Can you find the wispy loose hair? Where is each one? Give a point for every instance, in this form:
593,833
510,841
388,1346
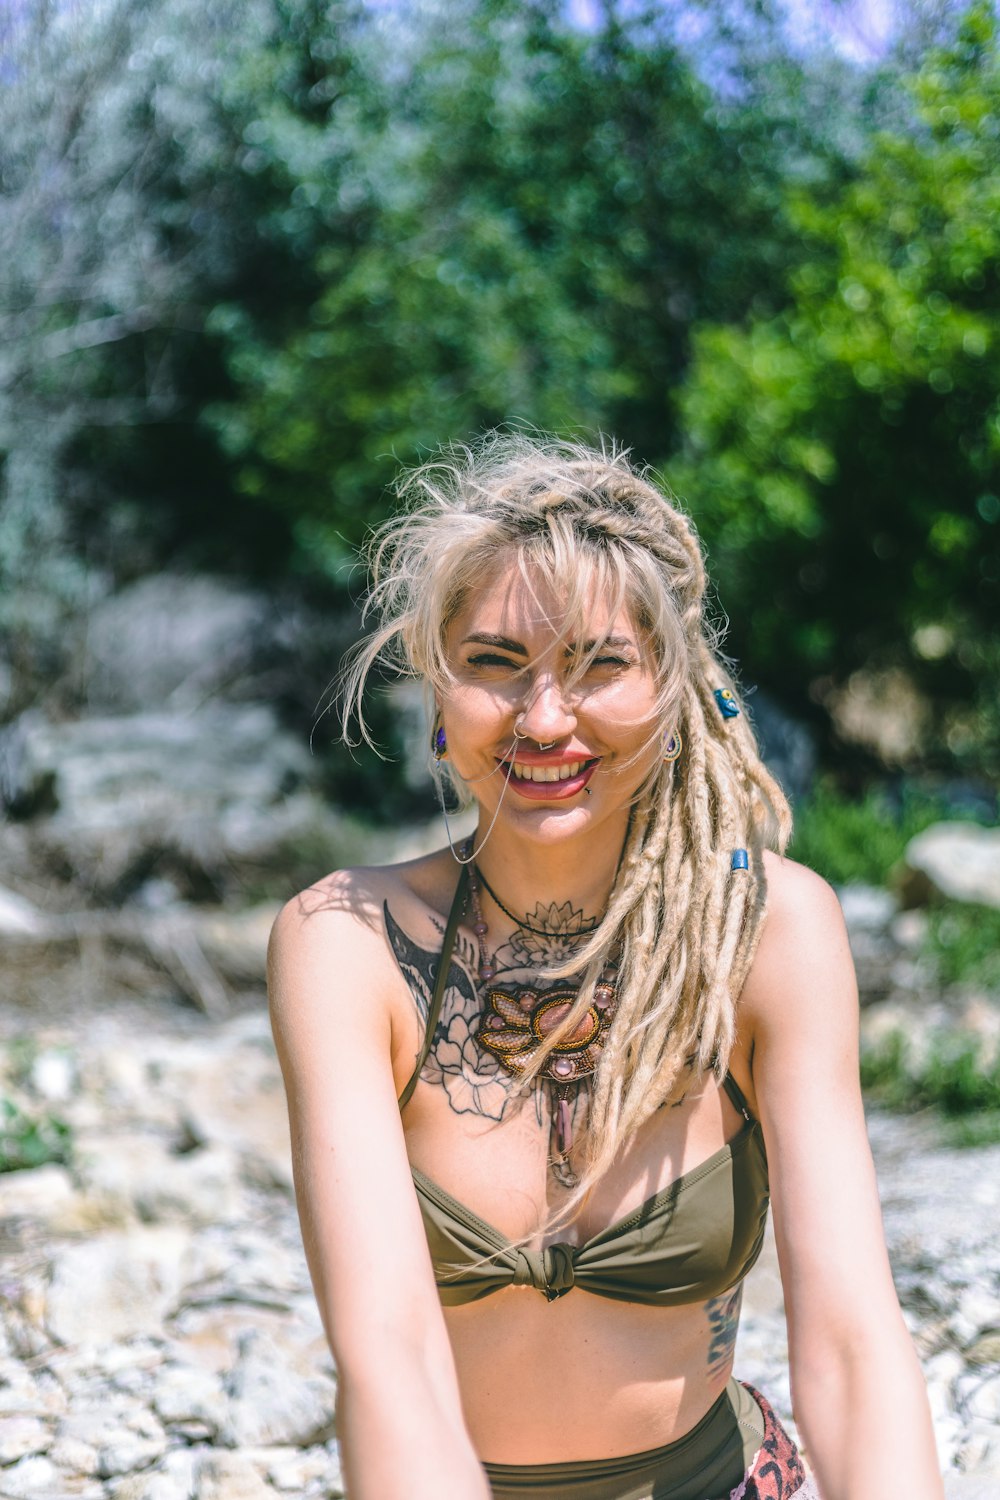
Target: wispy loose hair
681,925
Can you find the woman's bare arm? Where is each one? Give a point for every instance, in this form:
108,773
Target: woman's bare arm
857,1389
399,1411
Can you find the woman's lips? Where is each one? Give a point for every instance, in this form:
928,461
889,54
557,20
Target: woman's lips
548,791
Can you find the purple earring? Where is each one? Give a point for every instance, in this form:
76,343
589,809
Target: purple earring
673,746
439,745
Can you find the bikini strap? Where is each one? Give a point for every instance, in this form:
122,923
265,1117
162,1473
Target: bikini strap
440,980
738,1097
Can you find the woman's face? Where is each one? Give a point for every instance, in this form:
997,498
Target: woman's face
583,746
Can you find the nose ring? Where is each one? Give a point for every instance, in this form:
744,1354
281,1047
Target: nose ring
521,734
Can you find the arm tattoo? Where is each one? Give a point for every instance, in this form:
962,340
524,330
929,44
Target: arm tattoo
723,1322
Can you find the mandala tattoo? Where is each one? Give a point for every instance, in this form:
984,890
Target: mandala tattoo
473,1079
551,934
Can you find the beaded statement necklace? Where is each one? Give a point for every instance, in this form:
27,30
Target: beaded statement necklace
513,1027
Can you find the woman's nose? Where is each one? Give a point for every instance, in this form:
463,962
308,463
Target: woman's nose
547,714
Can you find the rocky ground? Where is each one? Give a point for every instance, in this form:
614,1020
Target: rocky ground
159,1339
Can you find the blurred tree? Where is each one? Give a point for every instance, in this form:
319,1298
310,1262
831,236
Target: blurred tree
843,456
116,211
154,159
539,222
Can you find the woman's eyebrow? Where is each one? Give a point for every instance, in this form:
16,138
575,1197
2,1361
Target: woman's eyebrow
504,643
617,642
484,639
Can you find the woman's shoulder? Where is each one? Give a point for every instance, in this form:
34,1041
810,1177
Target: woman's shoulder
803,947
796,895
344,909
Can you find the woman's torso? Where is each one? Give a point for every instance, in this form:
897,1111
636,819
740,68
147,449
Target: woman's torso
580,1375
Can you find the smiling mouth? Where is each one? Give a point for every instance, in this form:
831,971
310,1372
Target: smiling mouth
566,772
550,780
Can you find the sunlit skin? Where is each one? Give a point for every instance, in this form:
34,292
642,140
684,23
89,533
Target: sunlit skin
510,667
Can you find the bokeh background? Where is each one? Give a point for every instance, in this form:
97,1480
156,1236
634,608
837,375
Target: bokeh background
256,256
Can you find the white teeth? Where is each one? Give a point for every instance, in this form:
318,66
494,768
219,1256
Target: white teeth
548,773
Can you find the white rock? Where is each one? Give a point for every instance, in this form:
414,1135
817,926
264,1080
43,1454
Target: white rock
943,1368
978,1310
18,916
117,1285
40,1193
139,1354
336,1479
970,1486
983,1401
22,1394
866,908
53,1075
188,1393
152,1486
74,1455
127,1453
143,1178
958,860
231,1476
908,929
20,1436
30,1477
271,1403
175,1478
79,1487
940,1400
293,1469
948,1435
114,1421
122,1079
981,1447
235,1099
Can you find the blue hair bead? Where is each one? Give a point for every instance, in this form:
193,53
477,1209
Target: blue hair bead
740,860
728,706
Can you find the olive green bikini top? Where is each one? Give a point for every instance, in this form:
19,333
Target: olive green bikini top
693,1240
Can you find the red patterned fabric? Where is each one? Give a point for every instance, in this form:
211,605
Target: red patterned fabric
777,1471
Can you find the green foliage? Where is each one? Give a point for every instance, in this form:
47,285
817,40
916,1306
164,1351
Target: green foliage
473,264
953,1073
846,449
964,942
28,1140
846,838
256,254
974,1130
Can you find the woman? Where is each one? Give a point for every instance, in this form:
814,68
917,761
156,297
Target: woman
540,1081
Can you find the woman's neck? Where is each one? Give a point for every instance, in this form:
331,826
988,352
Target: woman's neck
579,870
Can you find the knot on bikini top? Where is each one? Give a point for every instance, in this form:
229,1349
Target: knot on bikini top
550,1271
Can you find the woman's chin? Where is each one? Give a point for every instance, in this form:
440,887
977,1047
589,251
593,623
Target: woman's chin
553,822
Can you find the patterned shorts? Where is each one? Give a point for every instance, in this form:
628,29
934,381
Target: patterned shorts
739,1436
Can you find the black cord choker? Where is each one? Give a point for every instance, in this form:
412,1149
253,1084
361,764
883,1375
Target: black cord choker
589,924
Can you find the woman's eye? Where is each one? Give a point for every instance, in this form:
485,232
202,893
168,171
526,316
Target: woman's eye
609,661
488,660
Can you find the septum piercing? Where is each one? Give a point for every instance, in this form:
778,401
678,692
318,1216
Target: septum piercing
521,734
